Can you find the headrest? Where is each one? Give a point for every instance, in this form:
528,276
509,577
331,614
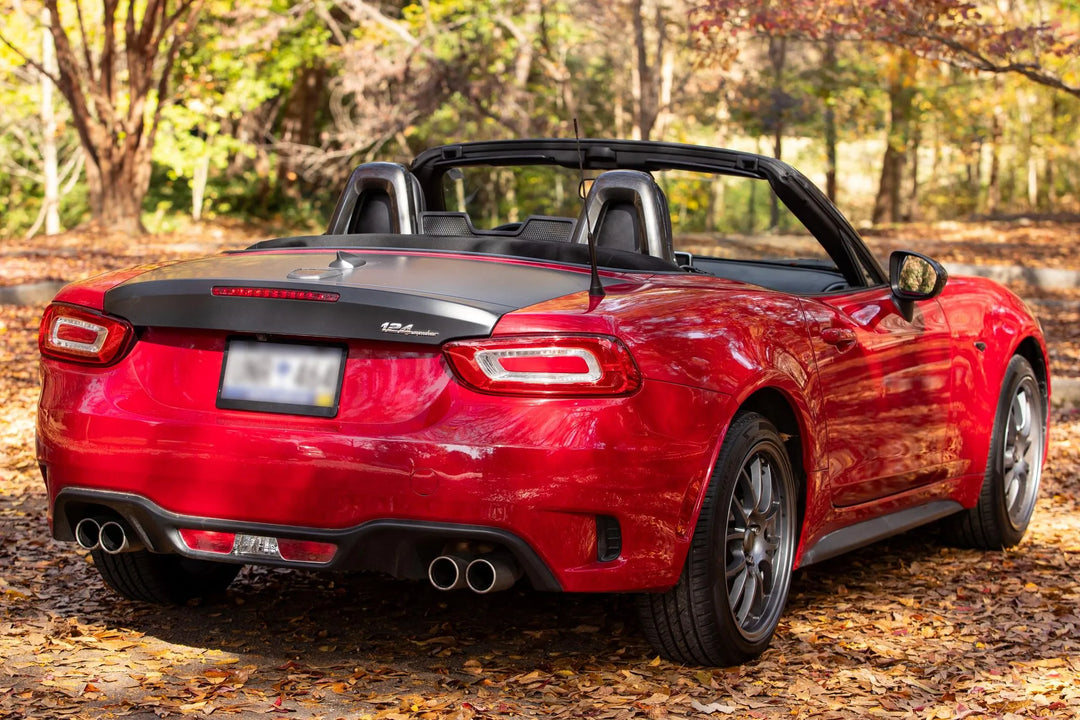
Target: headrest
627,210
380,197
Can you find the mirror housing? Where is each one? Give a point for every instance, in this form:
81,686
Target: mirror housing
913,276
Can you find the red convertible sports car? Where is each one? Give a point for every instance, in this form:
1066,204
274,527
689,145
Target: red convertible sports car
595,366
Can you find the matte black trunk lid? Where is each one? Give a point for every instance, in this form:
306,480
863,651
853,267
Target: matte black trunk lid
424,299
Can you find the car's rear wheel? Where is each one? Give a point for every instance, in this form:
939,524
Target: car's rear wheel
734,585
1013,468
163,579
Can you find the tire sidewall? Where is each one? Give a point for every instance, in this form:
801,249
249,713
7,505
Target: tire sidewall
749,435
993,492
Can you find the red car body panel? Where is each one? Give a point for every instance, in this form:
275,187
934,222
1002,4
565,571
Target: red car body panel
890,413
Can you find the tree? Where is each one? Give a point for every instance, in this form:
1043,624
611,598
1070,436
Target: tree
39,157
114,70
1008,38
1004,38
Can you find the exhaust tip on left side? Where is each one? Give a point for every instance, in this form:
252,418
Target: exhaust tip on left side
447,572
88,533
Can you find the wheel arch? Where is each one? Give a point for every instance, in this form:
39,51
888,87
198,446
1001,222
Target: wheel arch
775,405
1030,349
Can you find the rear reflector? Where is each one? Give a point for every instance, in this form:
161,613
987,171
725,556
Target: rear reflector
78,334
209,541
275,293
306,550
546,365
258,546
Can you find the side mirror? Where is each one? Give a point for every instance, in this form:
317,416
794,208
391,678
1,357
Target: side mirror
915,277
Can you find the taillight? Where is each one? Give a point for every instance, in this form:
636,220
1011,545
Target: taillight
545,365
74,333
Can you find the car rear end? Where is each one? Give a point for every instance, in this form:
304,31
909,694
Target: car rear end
221,410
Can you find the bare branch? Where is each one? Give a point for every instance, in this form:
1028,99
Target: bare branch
357,8
29,60
334,25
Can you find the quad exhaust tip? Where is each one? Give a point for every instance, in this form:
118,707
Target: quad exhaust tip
482,575
492,573
88,533
447,572
108,534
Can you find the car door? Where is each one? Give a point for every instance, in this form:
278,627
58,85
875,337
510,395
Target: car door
885,387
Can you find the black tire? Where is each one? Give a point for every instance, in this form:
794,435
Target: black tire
162,579
1013,468
734,585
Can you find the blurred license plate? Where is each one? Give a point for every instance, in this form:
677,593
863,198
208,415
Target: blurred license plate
276,377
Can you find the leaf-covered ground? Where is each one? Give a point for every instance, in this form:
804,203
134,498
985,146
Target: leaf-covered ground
906,629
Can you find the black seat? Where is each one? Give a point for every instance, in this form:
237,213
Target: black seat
384,198
627,210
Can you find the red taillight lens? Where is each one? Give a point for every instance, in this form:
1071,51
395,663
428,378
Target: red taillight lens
209,540
74,333
306,550
546,365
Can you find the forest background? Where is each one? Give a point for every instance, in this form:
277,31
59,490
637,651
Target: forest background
155,114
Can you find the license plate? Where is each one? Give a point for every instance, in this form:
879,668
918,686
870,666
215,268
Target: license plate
277,377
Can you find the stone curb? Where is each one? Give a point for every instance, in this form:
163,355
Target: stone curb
30,294
1045,278
1065,393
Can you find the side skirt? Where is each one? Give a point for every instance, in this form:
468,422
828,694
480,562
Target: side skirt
879,528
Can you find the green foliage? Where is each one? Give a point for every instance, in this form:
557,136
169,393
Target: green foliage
454,70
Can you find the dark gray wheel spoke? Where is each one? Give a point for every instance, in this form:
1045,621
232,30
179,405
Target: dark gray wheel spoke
764,498
740,516
750,597
1012,492
755,483
738,585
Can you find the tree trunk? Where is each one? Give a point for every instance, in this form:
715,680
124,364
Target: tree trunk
993,183
647,77
778,59
299,123
887,204
118,184
831,69
1048,171
911,212
198,185
50,163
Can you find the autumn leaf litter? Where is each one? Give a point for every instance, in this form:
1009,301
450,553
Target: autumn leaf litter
906,629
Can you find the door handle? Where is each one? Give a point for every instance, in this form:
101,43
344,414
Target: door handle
838,336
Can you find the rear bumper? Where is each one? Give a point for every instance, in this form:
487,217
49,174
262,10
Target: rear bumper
402,548
530,475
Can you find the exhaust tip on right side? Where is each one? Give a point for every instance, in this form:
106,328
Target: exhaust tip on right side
492,573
